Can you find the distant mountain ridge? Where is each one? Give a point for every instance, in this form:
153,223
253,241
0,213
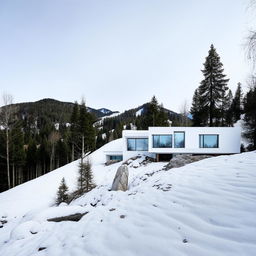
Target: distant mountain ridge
55,110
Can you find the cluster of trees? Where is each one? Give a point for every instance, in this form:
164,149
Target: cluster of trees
84,184
250,113
213,103
31,147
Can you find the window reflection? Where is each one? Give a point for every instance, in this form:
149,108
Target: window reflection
209,141
162,141
137,144
179,139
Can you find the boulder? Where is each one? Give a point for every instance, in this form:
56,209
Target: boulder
121,179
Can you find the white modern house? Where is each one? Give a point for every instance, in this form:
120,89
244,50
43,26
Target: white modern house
162,142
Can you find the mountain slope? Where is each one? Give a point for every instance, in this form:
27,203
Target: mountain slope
56,111
204,208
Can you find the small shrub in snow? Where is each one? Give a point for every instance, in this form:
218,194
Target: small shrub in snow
62,194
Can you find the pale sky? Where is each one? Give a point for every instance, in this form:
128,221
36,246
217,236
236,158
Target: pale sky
118,54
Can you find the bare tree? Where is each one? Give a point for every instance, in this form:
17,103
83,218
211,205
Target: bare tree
184,111
6,118
251,40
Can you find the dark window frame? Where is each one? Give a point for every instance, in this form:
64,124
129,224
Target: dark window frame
136,143
218,137
153,146
184,138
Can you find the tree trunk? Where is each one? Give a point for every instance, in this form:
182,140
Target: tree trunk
52,158
73,152
13,175
7,158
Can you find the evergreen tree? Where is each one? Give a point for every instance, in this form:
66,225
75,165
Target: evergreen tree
196,110
62,193
85,178
250,115
17,154
31,160
237,103
162,117
74,130
154,115
227,108
86,128
213,87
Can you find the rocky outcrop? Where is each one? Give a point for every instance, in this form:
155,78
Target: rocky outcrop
180,160
121,179
72,217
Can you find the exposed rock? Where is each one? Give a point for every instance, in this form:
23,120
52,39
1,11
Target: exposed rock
109,162
41,248
72,217
121,179
183,159
122,216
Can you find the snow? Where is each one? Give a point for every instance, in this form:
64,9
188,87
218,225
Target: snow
104,110
139,112
100,122
204,208
244,140
57,126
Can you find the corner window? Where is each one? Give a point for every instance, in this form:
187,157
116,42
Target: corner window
162,141
137,144
179,139
208,140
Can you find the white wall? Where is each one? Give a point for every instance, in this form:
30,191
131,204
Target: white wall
134,134
229,140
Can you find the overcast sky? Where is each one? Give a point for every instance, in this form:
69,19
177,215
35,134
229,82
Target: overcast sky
118,54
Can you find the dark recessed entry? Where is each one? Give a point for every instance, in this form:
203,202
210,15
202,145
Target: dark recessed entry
164,157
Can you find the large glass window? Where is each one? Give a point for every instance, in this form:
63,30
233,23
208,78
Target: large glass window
131,144
137,144
209,141
162,141
179,139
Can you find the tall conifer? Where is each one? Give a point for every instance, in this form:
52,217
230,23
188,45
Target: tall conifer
212,87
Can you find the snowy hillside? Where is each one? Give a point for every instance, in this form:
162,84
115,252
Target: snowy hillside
204,208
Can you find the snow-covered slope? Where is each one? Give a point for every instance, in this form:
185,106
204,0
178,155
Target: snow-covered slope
204,208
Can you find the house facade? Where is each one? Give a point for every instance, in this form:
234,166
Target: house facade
162,142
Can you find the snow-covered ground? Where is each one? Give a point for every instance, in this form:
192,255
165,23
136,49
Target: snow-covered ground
204,208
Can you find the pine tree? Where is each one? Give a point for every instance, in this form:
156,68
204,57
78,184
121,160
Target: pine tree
213,87
196,109
17,153
154,115
250,115
62,193
227,109
85,178
86,128
237,103
74,130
